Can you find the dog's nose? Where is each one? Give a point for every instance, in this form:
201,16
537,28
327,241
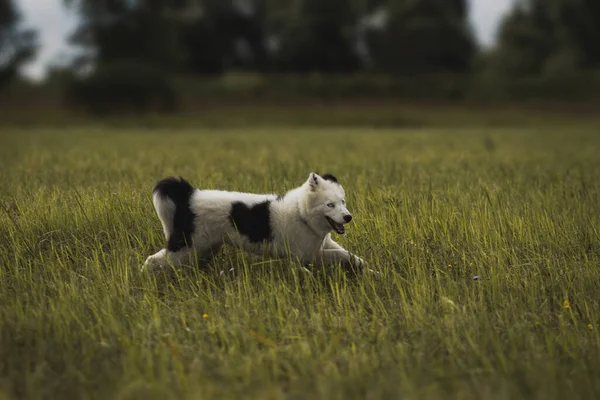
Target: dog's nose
348,218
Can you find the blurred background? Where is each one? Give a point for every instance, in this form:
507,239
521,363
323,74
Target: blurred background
101,57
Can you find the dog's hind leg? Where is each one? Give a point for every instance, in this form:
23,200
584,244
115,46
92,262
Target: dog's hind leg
171,199
207,256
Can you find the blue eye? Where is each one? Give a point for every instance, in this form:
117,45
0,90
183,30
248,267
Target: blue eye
330,205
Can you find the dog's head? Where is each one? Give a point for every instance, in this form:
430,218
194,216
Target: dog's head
327,203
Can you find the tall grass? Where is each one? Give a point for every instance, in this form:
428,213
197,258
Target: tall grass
487,243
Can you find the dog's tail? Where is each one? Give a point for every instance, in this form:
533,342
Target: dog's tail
172,198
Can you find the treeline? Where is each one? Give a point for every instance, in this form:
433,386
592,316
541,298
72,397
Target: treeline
131,51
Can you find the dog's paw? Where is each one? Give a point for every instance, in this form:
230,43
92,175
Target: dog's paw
306,270
231,271
361,266
155,263
358,262
354,264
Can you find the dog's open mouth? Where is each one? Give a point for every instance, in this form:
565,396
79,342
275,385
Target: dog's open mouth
339,228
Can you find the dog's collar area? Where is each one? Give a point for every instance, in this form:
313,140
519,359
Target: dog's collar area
305,222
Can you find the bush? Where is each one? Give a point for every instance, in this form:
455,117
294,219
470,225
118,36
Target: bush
124,87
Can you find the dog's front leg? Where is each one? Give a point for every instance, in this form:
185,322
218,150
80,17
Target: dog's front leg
332,253
329,257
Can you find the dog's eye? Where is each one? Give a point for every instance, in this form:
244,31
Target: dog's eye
330,205
343,201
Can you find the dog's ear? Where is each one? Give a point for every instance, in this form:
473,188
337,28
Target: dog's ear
314,181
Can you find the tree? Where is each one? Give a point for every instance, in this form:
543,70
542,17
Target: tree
527,38
583,20
17,45
424,37
195,36
118,30
320,36
134,49
212,40
548,37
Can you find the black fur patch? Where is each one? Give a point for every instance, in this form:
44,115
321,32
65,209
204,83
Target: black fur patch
329,177
179,191
253,222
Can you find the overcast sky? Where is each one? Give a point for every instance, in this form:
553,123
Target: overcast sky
54,25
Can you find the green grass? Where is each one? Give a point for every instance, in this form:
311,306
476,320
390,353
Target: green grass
433,209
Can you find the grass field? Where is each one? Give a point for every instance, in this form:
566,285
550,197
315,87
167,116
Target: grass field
434,208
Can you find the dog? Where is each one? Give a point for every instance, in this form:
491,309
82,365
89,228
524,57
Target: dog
197,223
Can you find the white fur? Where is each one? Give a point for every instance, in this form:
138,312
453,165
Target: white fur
165,208
298,224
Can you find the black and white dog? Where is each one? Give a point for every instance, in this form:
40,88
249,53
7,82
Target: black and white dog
197,223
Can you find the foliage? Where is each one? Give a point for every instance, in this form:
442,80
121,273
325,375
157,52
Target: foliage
429,36
424,37
127,31
211,39
122,87
549,37
17,45
319,37
434,208
546,49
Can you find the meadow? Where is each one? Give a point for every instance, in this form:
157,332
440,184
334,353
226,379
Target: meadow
487,240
